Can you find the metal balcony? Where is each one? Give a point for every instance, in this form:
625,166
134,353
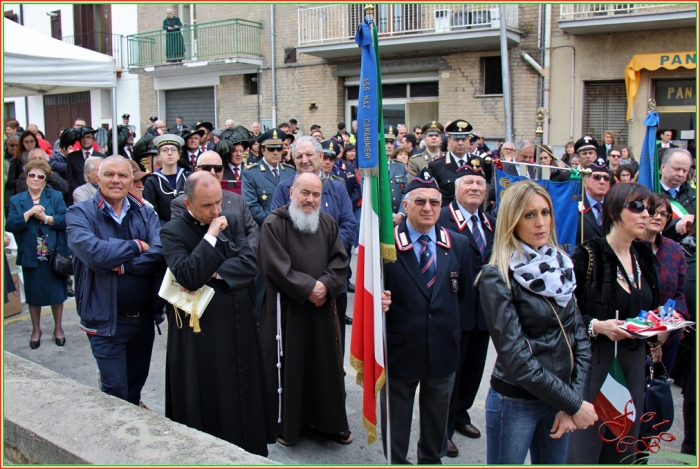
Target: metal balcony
226,39
104,43
328,31
592,18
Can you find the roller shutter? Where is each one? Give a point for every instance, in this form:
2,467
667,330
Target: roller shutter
605,108
193,104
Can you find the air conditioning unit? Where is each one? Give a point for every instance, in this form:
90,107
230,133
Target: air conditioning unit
443,20
495,18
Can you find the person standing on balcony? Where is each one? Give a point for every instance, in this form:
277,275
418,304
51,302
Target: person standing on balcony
174,43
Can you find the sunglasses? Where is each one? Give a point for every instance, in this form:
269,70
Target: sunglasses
613,155
598,177
274,148
40,177
208,167
637,206
421,202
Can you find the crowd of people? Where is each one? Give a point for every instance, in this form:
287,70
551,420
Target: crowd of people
268,219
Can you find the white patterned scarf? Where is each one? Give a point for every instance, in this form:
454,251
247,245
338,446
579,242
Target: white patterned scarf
545,271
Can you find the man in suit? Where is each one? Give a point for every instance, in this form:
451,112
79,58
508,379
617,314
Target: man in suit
521,156
597,185
75,161
665,135
465,216
429,279
230,203
180,124
232,153
445,169
260,179
192,149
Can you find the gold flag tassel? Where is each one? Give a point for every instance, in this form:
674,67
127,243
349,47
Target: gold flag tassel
194,318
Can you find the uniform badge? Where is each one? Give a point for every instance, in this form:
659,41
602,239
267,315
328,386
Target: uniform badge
262,168
476,163
264,196
454,281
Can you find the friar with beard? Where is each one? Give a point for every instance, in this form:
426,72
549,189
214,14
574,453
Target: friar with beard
305,264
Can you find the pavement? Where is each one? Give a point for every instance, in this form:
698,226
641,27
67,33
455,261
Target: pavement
75,361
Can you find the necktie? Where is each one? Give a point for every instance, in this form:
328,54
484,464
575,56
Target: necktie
460,163
599,213
276,173
673,193
131,150
477,237
427,262
193,159
235,173
87,155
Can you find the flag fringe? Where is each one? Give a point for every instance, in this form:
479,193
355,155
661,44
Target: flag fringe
359,367
371,430
369,172
380,383
387,252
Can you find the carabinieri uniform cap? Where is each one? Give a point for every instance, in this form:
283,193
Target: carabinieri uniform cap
585,143
459,128
423,180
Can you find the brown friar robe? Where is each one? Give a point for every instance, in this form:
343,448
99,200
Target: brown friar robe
313,390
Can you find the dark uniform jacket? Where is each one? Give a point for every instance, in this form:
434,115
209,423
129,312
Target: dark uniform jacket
589,224
75,167
398,180
259,185
471,312
445,171
346,171
160,194
685,196
423,328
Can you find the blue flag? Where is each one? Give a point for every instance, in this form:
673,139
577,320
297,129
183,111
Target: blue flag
648,169
565,198
367,108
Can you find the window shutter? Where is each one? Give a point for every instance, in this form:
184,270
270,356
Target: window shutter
56,26
605,108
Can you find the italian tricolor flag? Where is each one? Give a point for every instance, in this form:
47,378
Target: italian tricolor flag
614,404
677,209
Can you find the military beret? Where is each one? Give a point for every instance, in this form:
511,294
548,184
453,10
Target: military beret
585,143
423,180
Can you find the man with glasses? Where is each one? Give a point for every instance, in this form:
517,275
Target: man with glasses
418,133
75,161
431,276
507,151
597,185
614,155
168,181
231,202
260,179
432,133
214,379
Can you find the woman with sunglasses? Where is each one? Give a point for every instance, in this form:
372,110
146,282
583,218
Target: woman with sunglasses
37,219
536,398
671,267
168,181
27,142
616,279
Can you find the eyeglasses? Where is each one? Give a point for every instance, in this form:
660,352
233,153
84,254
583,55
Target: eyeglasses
274,148
168,150
208,167
637,206
40,177
29,141
598,177
507,149
234,246
421,202
663,214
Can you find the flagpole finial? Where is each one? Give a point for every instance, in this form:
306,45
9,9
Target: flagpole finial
651,106
541,115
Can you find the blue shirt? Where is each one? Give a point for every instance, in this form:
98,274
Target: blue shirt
592,202
468,216
120,217
414,235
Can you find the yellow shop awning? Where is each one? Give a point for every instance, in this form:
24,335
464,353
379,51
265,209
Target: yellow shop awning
667,60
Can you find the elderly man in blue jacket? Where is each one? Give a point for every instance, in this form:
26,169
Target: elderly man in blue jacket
118,260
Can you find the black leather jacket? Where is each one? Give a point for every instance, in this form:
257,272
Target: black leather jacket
532,351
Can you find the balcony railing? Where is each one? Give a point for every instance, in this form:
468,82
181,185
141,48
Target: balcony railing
104,43
338,23
600,10
227,38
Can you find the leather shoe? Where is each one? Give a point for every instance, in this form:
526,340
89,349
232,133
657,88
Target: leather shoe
34,344
342,437
452,450
351,287
70,291
348,320
469,430
60,342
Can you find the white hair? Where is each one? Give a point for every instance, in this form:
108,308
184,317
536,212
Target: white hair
304,222
90,164
39,150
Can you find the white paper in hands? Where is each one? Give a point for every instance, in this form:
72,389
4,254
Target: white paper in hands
192,303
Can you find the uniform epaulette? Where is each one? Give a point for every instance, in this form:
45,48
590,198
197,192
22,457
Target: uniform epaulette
250,166
416,155
336,178
442,157
288,166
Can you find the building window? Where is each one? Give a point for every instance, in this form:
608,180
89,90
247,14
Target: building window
491,73
605,108
56,32
250,83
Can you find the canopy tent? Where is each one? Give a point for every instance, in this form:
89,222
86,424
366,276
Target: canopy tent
36,64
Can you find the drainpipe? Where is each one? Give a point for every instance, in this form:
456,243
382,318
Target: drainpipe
547,57
505,75
272,60
26,99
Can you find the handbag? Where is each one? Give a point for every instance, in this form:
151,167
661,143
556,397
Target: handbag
61,264
657,399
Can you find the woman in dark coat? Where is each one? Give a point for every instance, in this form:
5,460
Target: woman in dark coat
174,44
616,279
37,219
